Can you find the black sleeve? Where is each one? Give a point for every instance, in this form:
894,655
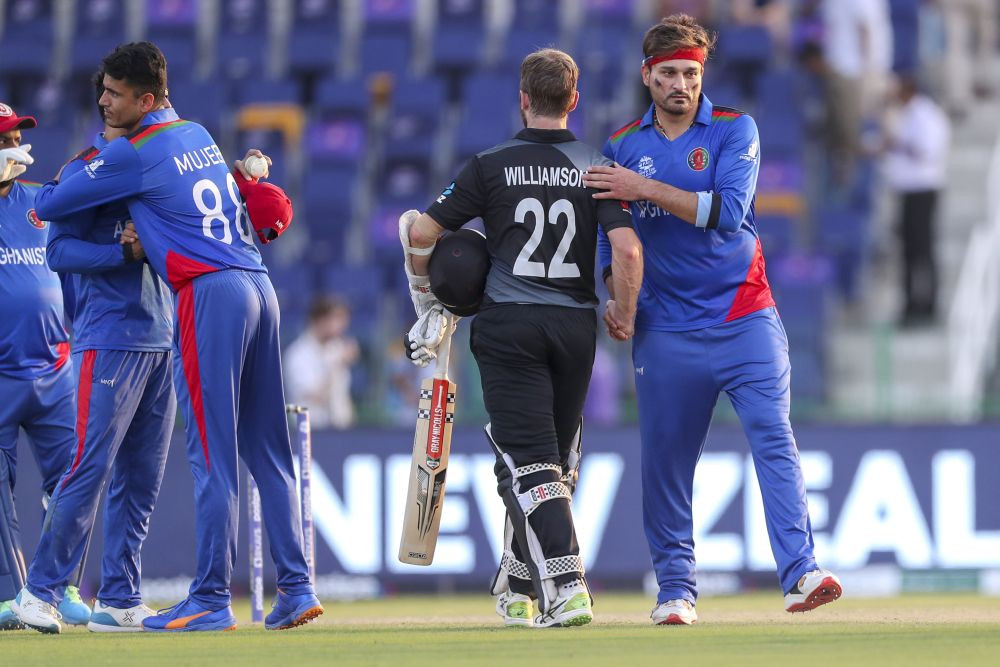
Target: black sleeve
612,214
461,201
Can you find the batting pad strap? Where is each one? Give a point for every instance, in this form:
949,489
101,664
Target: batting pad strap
553,567
537,467
513,567
420,251
535,496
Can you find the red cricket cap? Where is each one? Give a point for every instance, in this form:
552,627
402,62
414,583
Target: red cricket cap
268,206
9,120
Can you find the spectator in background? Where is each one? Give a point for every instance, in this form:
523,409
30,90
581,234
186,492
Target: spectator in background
915,148
858,53
318,365
970,49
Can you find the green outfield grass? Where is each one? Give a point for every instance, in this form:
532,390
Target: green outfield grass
462,630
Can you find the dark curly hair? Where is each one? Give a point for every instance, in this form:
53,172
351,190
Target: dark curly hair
676,31
141,65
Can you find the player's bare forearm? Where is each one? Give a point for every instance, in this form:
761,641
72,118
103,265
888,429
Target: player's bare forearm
619,182
423,234
626,279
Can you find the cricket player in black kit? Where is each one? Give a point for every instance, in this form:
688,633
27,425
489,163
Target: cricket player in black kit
535,334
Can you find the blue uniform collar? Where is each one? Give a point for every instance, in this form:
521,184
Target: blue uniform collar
100,141
703,117
160,116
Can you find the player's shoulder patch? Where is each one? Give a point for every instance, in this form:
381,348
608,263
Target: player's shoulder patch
624,131
722,114
140,137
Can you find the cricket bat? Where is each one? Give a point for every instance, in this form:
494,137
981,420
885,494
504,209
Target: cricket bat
431,446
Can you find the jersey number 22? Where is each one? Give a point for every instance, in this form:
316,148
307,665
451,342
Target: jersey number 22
558,267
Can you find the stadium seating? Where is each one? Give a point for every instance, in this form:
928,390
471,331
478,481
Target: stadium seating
28,38
315,36
99,26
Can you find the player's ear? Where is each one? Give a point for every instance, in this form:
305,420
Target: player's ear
645,75
525,101
576,100
146,102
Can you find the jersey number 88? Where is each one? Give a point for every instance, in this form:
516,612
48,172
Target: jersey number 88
212,210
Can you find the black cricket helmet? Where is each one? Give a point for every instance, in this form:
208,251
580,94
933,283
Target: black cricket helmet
458,269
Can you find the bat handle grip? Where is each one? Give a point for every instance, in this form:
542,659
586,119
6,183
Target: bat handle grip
444,351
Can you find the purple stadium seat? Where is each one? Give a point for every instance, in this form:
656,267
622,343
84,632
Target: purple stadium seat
241,45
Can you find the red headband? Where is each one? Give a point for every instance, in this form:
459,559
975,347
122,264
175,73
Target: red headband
697,54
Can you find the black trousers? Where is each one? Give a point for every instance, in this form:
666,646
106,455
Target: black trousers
916,227
535,364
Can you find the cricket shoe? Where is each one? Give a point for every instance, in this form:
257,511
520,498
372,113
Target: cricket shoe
36,613
73,609
516,609
189,616
674,612
813,589
289,611
114,619
8,621
571,607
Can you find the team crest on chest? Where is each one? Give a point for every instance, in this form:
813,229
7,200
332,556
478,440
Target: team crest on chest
645,166
35,220
698,159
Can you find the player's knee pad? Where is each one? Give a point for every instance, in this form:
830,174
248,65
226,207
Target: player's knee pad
571,467
524,490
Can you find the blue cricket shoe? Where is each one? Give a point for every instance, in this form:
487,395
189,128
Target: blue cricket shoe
188,616
73,609
290,611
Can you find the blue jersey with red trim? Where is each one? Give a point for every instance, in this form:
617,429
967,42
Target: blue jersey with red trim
33,340
696,277
180,193
118,306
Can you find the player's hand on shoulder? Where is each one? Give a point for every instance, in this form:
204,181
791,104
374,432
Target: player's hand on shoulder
616,182
619,328
254,165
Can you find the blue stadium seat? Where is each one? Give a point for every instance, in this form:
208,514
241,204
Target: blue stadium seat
905,18
172,27
388,49
415,111
28,37
843,234
779,116
203,102
336,139
347,96
459,34
315,35
100,27
243,39
542,15
327,208
264,91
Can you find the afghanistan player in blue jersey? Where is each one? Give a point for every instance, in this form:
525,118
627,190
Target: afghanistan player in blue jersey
123,334
706,322
36,377
196,234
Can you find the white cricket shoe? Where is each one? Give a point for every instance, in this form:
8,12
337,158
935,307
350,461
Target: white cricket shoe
572,606
36,613
106,618
814,589
516,609
674,612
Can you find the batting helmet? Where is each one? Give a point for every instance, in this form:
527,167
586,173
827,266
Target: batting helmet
458,269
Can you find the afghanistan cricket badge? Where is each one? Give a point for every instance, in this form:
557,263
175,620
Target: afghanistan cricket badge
698,159
35,220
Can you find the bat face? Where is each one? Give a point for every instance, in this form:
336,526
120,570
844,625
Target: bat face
431,446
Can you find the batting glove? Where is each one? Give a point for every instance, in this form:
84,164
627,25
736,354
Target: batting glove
14,161
424,337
